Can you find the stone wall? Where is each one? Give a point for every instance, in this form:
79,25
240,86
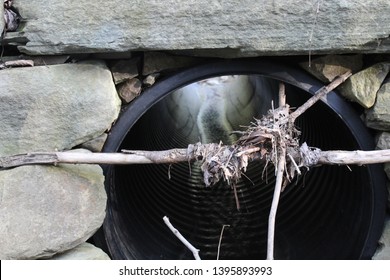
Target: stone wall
204,27
101,58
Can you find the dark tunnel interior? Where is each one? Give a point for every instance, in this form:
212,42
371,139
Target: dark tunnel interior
327,213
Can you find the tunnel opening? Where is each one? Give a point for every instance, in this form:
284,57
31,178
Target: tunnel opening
331,212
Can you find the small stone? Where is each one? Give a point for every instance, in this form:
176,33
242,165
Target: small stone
85,251
378,117
46,210
125,70
156,62
387,170
326,68
363,86
383,252
96,144
383,143
150,79
130,90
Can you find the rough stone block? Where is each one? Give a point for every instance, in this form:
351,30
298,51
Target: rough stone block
328,67
363,86
383,253
130,90
378,117
383,143
45,210
2,25
55,107
96,144
125,70
155,62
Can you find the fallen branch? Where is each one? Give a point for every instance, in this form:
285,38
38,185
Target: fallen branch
194,251
319,94
281,162
275,203
317,157
353,157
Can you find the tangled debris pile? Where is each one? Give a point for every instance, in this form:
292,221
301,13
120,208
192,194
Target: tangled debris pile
260,141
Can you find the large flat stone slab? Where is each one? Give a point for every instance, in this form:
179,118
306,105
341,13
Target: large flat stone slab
45,210
55,107
222,28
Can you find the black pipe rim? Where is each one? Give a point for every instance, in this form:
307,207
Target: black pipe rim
267,68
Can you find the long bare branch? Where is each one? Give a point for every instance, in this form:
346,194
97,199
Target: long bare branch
319,94
180,155
275,203
353,157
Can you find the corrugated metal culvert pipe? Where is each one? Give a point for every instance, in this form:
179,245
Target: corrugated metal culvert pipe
331,212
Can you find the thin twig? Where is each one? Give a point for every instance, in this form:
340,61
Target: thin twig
234,186
194,251
282,94
295,164
220,240
275,202
248,151
318,95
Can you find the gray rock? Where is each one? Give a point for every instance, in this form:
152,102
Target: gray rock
96,144
215,28
55,107
2,19
328,67
45,210
150,79
363,86
125,70
130,90
383,252
85,251
388,187
383,143
155,62
378,117
387,170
